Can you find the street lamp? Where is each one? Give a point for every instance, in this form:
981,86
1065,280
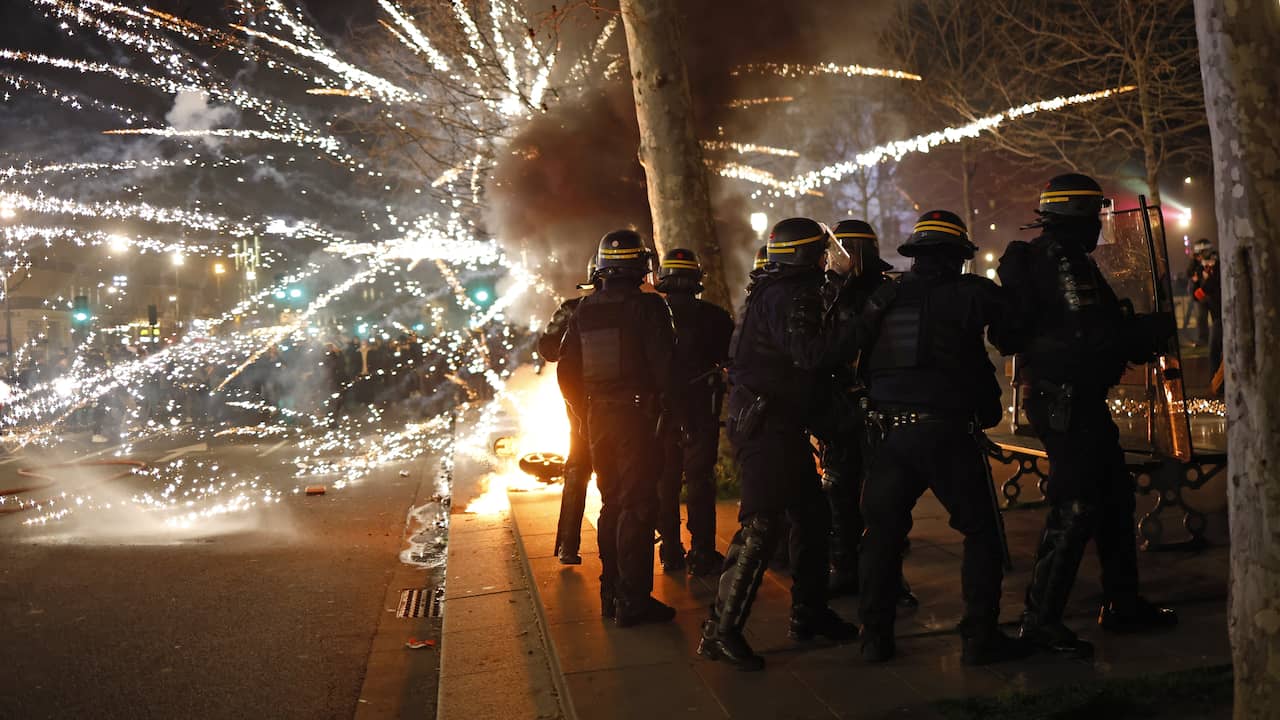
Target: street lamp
759,222
218,271
178,259
119,243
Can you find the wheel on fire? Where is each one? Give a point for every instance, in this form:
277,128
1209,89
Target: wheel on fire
544,466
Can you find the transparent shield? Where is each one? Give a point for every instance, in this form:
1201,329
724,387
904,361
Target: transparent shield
1149,404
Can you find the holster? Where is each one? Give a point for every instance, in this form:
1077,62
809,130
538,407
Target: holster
750,417
1058,403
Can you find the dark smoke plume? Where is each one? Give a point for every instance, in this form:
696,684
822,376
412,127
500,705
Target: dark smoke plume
572,174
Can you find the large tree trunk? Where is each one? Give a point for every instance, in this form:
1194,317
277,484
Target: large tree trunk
1239,54
679,198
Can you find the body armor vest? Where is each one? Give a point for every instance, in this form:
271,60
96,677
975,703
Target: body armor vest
611,348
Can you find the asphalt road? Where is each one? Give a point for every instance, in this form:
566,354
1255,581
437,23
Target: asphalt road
263,613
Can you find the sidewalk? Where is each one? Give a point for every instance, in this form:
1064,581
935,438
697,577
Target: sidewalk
653,671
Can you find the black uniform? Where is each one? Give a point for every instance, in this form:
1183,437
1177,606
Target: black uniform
703,331
577,467
618,349
1078,341
932,386
842,434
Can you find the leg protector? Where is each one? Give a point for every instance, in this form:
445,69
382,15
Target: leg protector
573,504
1067,529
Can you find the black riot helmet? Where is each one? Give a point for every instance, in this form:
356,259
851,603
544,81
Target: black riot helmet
679,271
939,231
859,239
1070,195
623,253
762,258
1072,204
806,242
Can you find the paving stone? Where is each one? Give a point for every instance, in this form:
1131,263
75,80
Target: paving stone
598,644
508,609
529,694
667,691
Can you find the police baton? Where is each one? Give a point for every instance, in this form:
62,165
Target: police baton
984,443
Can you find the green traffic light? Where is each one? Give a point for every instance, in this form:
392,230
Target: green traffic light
81,316
481,295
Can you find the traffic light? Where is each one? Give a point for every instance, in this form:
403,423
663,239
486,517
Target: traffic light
482,293
80,313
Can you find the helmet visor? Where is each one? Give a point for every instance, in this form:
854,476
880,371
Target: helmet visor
838,259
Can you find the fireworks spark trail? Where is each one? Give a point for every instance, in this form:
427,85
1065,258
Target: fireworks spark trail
411,30
189,219
744,103
897,149
328,144
379,87
75,101
748,148
281,39
791,71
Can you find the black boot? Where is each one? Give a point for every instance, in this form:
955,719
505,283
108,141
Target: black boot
672,556
877,644
730,647
642,611
1067,529
569,529
608,603
704,562
722,637
982,643
1136,616
569,555
907,600
808,622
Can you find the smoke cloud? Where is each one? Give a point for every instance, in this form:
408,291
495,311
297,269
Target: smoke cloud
573,174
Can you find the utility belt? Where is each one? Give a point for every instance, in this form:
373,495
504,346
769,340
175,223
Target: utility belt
882,419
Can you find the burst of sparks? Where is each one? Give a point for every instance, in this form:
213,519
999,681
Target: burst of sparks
788,70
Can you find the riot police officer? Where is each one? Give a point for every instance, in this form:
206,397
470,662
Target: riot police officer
762,257
841,432
1077,342
577,467
932,388
692,441
781,342
618,347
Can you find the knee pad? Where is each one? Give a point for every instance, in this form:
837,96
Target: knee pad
1076,520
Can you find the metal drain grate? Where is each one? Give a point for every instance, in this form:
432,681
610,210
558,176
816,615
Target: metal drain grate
414,603
421,602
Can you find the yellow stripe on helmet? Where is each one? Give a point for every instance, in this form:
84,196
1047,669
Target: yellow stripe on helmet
793,243
1070,193
939,226
780,250
683,264
856,235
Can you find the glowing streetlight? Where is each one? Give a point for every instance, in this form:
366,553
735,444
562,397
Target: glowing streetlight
759,222
1186,180
990,257
173,298
991,273
250,275
1185,221
118,243
178,259
8,212
219,268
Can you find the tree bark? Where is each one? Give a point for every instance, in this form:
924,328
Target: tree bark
679,197
1239,53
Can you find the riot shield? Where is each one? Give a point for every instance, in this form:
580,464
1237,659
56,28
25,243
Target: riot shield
1149,404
